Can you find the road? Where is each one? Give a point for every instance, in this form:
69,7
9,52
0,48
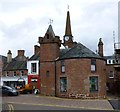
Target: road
115,103
27,107
35,102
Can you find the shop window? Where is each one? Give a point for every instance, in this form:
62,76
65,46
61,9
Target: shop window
33,67
62,66
93,83
63,84
93,65
111,74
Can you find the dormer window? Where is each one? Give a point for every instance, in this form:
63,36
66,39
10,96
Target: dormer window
109,61
113,61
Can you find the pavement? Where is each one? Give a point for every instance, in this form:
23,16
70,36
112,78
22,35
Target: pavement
94,104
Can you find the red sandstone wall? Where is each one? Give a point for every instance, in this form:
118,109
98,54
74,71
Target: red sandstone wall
77,72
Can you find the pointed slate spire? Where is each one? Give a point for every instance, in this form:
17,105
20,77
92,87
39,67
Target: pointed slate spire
50,31
68,31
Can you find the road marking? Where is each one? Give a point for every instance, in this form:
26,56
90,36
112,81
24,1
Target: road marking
11,108
52,105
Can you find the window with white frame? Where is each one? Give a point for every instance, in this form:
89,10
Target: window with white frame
111,74
33,67
62,66
93,65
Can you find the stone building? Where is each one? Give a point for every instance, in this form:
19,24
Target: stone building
113,72
3,61
73,72
15,70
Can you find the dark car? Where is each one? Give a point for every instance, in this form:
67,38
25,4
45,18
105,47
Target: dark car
9,91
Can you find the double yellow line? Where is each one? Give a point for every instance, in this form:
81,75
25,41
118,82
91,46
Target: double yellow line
10,108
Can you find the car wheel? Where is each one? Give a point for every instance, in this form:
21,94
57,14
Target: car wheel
9,94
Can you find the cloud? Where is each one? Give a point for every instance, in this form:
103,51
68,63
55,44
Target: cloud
22,21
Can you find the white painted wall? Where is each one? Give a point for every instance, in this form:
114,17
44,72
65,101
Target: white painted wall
29,67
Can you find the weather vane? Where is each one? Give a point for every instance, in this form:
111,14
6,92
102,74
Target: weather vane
68,7
51,21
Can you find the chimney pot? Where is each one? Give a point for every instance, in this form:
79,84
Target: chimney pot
21,52
36,49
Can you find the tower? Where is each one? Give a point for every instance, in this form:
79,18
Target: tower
68,38
100,47
49,51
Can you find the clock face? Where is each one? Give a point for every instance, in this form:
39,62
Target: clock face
66,38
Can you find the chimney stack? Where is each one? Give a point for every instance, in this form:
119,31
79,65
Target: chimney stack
21,52
9,56
36,49
100,47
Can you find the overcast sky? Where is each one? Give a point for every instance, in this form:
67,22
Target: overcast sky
23,21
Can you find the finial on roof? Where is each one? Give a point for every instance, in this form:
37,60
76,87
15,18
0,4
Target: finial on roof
51,21
68,7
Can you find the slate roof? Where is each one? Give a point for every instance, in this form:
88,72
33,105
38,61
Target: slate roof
4,59
109,57
50,30
15,65
78,51
35,57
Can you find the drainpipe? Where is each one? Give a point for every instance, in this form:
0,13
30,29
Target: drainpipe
55,79
56,76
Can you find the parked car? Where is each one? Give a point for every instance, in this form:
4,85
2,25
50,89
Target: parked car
9,91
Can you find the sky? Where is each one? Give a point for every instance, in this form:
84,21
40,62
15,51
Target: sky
23,21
